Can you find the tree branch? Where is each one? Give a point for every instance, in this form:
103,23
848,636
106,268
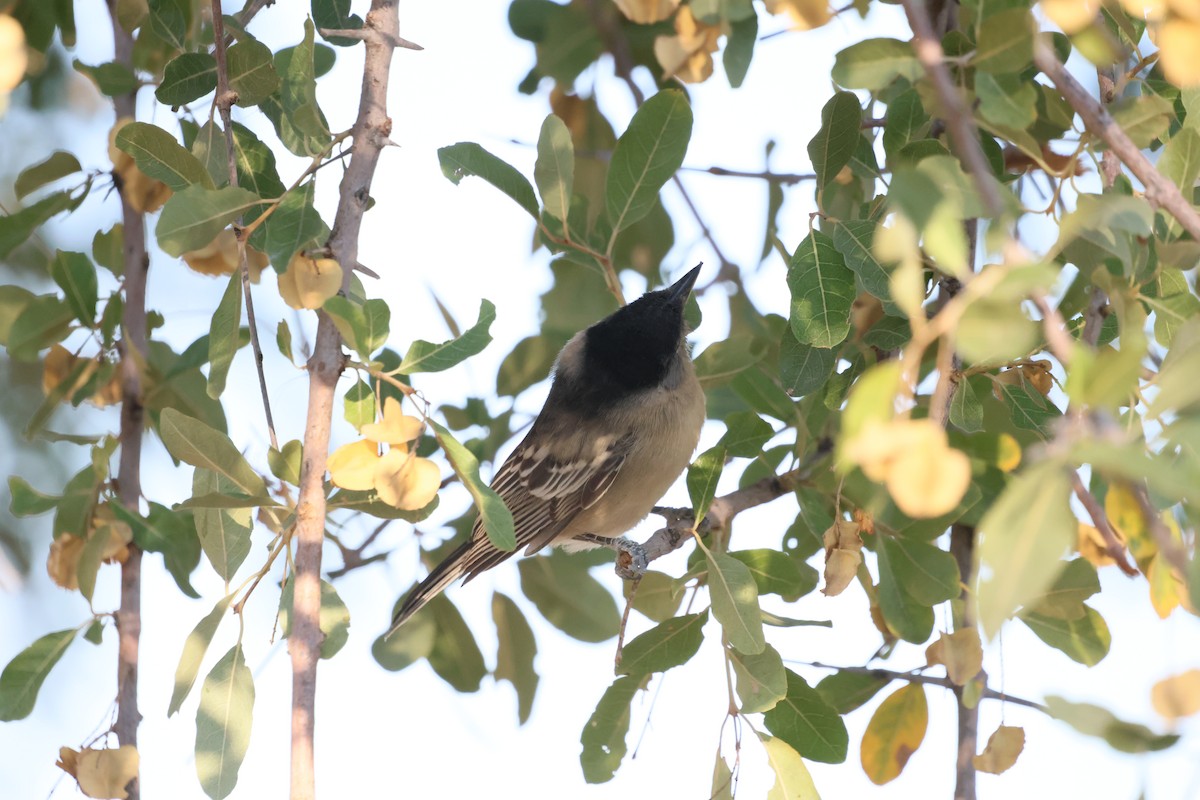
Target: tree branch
129,476
958,119
1113,545
962,547
1160,191
224,101
370,134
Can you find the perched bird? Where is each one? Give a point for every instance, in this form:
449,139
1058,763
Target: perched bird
620,424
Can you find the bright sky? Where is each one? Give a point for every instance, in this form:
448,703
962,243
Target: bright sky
409,734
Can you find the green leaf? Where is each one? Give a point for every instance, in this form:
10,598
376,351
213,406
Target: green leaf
517,649
1005,42
1085,639
89,560
778,573
76,276
77,503
1064,599
18,226
792,778
603,737
172,533
224,533
854,240
802,367
467,158
833,146
455,656
926,572
568,597
283,340
746,433
1024,535
1006,100
25,501
761,679
157,154
194,648
735,602
966,410
169,21
909,619
335,15
223,722
58,164
739,49
285,463
822,292
224,337
186,78
1030,410
668,644
874,63
24,675
646,156
1092,720
847,690
190,440
251,72
408,645
702,477
359,404
906,122
333,618
425,356
497,519
111,77
1143,118
108,249
995,331
554,172
294,110
658,595
43,321
295,226
806,722
365,327
193,217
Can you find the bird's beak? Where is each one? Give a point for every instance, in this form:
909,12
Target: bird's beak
680,290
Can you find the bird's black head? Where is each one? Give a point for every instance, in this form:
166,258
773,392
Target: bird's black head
633,347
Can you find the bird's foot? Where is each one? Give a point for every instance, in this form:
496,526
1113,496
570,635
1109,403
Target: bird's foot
631,556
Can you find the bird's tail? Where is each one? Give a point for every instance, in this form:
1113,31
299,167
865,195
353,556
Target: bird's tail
470,559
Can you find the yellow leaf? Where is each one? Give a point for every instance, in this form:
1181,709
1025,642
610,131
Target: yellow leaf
1126,517
961,652
1071,15
1008,453
881,443
63,562
1002,750
807,14
894,733
1149,9
646,12
1188,9
395,428
309,282
864,313
220,257
406,482
120,534
688,54
352,466
843,554
58,365
1177,696
1165,588
101,773
14,58
929,482
792,778
1179,51
1092,548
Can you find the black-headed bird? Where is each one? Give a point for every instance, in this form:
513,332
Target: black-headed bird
619,426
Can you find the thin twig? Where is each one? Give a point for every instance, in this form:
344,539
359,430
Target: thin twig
365,34
224,101
929,680
353,558
785,178
370,135
133,348
1160,191
928,47
1112,543
1172,550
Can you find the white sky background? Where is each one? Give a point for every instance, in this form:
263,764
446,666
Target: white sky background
408,734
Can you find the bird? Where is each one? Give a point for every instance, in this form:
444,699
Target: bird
619,425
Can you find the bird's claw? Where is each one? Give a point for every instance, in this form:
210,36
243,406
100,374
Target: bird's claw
631,559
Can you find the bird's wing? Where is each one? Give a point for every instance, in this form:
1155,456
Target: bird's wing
545,488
